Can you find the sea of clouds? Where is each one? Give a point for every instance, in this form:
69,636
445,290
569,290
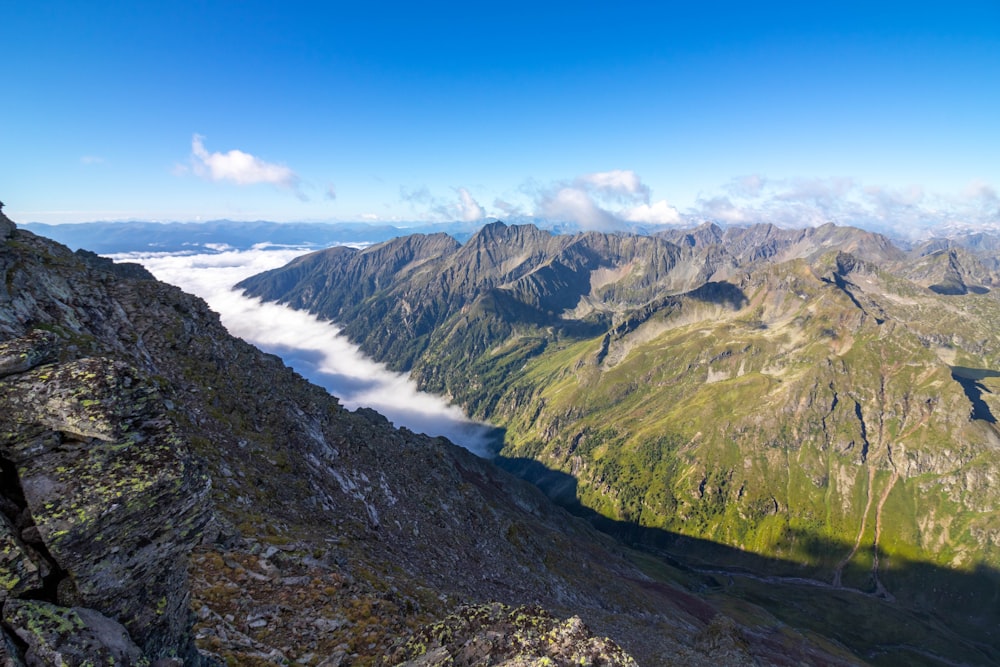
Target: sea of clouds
317,350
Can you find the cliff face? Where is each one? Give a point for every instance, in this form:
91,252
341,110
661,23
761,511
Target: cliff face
171,493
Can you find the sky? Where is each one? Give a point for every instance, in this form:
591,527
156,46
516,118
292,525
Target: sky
315,349
881,114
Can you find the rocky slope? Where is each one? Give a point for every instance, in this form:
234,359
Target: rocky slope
171,494
802,404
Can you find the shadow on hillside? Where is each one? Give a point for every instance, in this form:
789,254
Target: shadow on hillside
722,293
970,380
914,613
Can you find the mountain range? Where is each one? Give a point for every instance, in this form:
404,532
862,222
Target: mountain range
783,408
217,235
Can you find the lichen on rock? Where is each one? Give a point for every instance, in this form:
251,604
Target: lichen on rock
496,634
70,636
22,354
19,572
114,493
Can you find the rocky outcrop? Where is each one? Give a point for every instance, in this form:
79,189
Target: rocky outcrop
108,499
22,354
7,227
494,634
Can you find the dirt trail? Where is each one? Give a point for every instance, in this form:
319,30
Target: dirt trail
839,569
881,590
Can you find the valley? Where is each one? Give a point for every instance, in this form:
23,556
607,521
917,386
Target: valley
792,403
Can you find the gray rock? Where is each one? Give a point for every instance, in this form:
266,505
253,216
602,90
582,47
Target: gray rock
19,573
7,227
22,354
10,654
113,491
69,636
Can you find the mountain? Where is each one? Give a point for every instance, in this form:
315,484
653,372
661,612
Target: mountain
985,246
171,495
775,405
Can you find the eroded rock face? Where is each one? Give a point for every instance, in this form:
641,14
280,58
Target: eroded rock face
105,487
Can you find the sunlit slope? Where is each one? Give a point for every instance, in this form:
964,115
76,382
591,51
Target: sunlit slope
811,411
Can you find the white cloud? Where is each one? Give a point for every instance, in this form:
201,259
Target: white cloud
603,200
506,208
722,209
239,167
981,191
658,213
419,196
890,204
576,205
623,183
469,209
908,212
316,349
91,159
823,192
331,192
430,207
747,186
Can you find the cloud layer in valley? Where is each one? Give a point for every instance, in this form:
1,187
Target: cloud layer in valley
317,350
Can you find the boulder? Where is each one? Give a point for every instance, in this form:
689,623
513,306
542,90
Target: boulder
73,637
22,354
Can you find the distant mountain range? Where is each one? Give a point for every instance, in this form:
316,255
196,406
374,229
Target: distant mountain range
216,235
213,235
798,404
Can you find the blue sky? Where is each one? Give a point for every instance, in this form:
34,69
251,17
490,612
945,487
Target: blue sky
880,114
